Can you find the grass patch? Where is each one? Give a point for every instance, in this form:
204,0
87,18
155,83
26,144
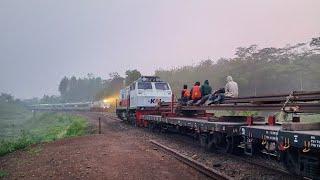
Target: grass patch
21,128
3,174
13,117
8,146
35,150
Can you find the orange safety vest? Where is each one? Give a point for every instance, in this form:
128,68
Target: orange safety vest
196,93
186,93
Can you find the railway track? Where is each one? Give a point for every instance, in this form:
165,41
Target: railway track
204,169
214,174
247,160
263,165
109,115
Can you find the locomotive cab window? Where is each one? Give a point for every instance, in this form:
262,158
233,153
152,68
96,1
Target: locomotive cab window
162,86
144,85
133,86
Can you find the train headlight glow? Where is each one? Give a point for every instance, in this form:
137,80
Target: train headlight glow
110,100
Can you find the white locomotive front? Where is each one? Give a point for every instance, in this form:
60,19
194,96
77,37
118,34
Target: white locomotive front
143,94
148,91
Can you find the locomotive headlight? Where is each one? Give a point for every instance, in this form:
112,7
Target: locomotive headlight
109,100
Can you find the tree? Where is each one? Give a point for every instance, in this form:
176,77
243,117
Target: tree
132,75
111,87
63,86
113,75
315,42
4,97
80,89
246,52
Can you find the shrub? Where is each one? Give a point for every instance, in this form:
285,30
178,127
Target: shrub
8,146
48,127
77,128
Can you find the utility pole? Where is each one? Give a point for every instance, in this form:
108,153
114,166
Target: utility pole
301,87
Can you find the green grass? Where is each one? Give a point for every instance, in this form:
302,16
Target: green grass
51,126
12,119
3,174
21,128
35,150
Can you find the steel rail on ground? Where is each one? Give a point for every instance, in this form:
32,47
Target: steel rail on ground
108,115
212,173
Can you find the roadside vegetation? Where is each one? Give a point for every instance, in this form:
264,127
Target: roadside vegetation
3,174
20,128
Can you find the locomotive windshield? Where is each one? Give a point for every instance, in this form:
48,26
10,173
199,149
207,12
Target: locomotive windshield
144,85
162,86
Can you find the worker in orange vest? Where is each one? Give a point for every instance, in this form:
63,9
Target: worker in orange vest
195,93
185,95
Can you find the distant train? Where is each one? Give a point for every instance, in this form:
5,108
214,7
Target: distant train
99,106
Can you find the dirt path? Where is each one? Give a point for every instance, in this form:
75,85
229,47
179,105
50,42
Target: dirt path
116,154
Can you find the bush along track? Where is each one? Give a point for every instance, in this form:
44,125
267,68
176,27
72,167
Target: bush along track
45,127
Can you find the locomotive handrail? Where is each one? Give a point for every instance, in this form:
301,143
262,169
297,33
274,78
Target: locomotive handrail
286,144
264,141
306,146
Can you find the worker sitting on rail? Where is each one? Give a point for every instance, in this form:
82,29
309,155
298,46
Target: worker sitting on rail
185,95
231,88
195,93
230,91
206,90
217,97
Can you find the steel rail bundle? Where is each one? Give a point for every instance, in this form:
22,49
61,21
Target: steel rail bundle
289,108
295,102
301,96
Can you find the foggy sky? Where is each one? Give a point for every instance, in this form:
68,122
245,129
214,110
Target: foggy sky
43,40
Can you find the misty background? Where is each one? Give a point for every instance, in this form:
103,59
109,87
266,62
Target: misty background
43,41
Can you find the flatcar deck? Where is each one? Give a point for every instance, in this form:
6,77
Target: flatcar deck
275,133
198,124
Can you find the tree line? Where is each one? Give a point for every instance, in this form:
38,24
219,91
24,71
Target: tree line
258,71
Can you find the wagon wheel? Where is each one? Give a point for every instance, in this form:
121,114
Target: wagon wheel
217,141
290,160
124,116
223,143
203,141
150,126
214,141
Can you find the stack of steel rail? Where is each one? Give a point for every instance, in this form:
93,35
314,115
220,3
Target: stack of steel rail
294,102
295,96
